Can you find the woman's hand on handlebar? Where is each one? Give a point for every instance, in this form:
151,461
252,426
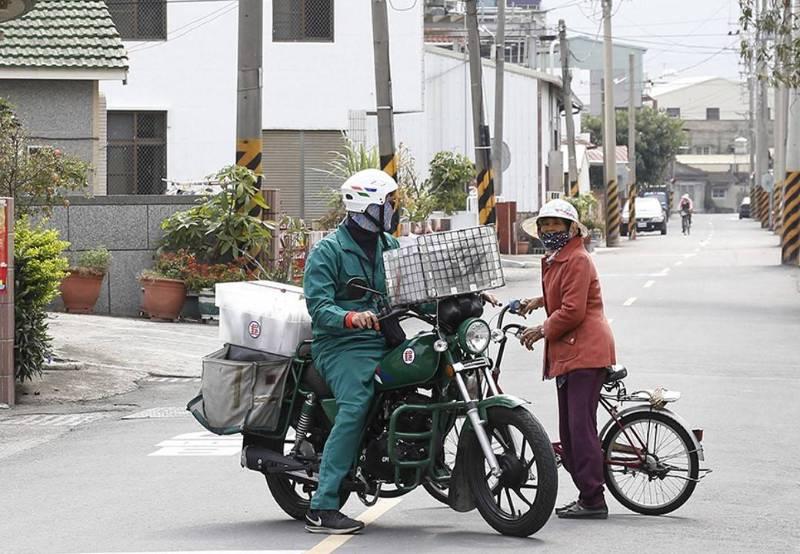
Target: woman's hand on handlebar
528,305
531,335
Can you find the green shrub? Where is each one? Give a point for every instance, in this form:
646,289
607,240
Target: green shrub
450,175
39,268
93,262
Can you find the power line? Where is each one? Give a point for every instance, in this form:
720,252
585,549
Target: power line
209,18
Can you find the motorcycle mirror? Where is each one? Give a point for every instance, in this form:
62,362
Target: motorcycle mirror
357,288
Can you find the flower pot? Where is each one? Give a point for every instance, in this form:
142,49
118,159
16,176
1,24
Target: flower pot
208,308
163,298
80,292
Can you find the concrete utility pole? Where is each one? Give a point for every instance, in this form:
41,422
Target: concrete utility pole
781,113
609,133
633,189
790,239
500,66
751,138
7,365
383,87
566,80
483,161
248,106
762,115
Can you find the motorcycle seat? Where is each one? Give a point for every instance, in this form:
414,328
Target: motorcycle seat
615,373
314,382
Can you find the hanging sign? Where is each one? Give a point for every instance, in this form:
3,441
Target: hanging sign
5,255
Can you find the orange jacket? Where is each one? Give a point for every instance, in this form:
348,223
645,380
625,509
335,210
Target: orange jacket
577,333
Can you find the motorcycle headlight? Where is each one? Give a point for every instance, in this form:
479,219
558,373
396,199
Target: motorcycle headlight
474,335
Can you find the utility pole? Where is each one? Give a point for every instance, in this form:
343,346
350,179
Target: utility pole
609,133
781,113
633,189
383,88
483,161
566,80
500,66
762,148
790,239
751,138
249,84
7,364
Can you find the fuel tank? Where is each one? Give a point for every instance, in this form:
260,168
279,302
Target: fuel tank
413,362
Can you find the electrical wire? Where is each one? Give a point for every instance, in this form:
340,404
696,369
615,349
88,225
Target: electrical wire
199,22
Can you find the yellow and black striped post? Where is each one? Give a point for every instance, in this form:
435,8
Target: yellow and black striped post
632,192
486,198
671,206
248,154
612,213
777,206
790,239
574,189
389,165
763,200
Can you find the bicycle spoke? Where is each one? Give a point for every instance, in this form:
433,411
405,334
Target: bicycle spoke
522,497
511,503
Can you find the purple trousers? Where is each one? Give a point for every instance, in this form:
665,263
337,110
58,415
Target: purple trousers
578,397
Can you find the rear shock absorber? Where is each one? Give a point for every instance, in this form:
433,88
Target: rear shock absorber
304,422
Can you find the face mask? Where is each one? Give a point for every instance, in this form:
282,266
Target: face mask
555,241
375,218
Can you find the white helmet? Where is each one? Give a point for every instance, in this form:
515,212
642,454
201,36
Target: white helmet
555,208
366,187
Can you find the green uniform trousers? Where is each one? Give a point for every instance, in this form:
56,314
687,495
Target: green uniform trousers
351,377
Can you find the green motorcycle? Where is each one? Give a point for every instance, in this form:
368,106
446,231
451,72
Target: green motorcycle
435,387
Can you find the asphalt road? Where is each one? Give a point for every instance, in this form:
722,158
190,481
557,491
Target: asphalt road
712,315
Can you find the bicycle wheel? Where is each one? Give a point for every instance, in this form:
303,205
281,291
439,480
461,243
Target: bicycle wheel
651,465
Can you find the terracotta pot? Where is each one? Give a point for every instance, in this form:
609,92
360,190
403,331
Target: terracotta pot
80,292
163,298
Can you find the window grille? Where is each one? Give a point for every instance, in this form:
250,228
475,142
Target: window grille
137,152
302,20
139,19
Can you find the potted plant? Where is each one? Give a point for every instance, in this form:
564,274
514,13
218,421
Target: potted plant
163,286
81,288
201,278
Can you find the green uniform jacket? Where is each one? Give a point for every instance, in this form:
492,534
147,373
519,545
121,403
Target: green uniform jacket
331,264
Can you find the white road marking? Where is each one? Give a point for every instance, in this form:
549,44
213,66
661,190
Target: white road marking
663,273
158,413
370,515
691,255
61,420
679,262
200,443
154,379
649,284
629,301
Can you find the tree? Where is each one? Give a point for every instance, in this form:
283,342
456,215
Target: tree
658,139
781,52
450,175
36,179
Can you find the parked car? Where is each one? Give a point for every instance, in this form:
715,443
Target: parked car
744,207
663,198
650,216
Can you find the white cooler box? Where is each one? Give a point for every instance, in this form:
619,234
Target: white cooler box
263,315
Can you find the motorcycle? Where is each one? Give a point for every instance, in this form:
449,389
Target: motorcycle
431,386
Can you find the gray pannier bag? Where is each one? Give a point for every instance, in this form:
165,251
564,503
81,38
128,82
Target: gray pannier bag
241,390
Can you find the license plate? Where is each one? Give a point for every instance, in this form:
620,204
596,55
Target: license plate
641,225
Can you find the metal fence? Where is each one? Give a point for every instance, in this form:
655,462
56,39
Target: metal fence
139,19
302,20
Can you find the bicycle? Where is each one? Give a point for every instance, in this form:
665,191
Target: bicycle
652,458
686,222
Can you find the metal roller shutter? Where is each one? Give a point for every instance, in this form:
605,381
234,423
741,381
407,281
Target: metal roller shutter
282,168
317,148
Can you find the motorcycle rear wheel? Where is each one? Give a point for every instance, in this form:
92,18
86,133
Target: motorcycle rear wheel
292,496
529,476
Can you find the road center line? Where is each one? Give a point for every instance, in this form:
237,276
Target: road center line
649,284
629,301
370,515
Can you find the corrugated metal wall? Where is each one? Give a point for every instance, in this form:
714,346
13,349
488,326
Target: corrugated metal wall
295,162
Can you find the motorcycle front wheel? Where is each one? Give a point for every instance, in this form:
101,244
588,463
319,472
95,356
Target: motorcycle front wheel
521,500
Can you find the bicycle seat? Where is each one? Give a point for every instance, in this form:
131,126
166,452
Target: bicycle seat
313,381
615,373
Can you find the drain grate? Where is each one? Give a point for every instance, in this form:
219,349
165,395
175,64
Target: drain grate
153,413
62,420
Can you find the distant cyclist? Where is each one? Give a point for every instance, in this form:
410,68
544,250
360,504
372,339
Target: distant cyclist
686,207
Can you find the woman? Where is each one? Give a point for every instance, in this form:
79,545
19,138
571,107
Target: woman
579,346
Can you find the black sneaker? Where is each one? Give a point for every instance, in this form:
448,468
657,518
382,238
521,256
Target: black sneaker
579,511
331,522
566,507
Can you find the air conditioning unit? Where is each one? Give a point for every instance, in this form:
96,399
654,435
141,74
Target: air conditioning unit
552,195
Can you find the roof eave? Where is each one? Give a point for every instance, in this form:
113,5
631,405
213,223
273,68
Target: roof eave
64,74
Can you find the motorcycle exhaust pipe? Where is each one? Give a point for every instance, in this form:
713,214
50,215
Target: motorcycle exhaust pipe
264,460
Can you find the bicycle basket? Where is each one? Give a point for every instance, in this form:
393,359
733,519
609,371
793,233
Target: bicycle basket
444,264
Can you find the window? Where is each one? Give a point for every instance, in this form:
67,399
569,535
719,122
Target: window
302,20
712,114
137,152
702,150
719,193
674,112
139,19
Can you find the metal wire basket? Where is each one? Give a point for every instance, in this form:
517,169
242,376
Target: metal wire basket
444,264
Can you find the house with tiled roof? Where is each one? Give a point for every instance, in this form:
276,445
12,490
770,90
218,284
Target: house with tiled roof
52,60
